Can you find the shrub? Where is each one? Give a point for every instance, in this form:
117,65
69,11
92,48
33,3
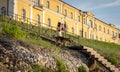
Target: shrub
61,66
38,68
113,59
82,69
13,31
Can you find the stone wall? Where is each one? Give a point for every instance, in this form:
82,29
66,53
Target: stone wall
18,55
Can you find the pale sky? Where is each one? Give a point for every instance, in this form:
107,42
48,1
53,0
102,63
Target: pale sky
105,10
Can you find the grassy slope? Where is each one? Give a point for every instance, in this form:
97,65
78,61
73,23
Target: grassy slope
109,50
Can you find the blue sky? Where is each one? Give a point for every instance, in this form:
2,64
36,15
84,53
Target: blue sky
105,10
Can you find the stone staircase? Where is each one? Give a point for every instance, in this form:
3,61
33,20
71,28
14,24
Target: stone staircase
101,59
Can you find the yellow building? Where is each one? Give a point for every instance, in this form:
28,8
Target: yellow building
49,12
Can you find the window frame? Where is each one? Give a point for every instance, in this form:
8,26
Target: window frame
78,18
3,11
48,4
65,12
90,23
72,30
37,3
49,22
38,19
57,9
23,14
71,15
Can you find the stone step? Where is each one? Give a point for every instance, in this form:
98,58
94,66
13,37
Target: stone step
101,59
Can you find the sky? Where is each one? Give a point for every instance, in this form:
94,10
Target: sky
105,10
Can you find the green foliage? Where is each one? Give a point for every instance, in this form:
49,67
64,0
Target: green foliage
1,51
38,68
61,65
82,69
113,59
13,31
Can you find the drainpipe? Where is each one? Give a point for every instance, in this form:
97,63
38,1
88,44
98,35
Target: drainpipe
82,23
7,7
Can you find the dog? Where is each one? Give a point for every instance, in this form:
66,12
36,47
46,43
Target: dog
62,40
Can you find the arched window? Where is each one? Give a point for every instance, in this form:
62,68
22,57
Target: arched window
48,4
23,14
80,33
113,34
57,9
99,28
71,15
37,3
72,30
108,31
84,21
3,11
49,22
38,19
65,12
95,26
90,23
104,30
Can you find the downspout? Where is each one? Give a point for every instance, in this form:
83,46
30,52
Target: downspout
7,7
82,23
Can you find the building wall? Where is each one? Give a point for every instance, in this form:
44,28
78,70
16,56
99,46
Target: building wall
92,27
3,4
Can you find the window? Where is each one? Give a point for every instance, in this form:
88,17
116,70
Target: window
23,14
72,30
116,34
90,23
83,20
57,9
99,28
101,38
108,31
80,33
65,12
37,3
104,30
71,15
3,11
113,34
49,22
48,4
38,19
78,18
85,34
95,26
96,37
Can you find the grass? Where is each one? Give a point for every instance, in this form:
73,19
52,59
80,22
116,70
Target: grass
38,68
82,69
108,50
26,36
61,65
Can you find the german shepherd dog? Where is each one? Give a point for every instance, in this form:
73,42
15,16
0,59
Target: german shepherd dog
62,40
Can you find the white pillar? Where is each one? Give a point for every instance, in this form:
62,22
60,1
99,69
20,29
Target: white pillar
77,28
42,2
43,17
43,13
15,6
31,13
89,32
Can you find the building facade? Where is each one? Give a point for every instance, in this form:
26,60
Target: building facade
49,12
